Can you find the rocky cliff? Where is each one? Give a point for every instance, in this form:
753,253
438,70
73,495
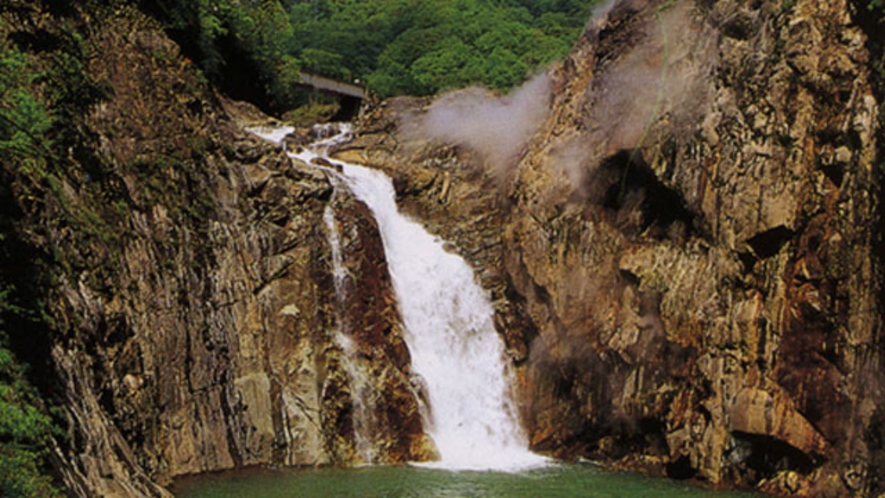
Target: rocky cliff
686,255
192,301
681,230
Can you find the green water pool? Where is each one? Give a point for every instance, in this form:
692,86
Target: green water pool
560,480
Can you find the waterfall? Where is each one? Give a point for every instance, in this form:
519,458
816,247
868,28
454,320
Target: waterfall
449,331
451,336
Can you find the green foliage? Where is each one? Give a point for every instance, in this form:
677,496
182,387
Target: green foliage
20,422
20,475
262,30
42,104
24,119
315,111
228,37
25,432
453,65
319,61
425,46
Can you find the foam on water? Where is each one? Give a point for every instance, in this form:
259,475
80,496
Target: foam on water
270,133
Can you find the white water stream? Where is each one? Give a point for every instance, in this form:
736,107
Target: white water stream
449,331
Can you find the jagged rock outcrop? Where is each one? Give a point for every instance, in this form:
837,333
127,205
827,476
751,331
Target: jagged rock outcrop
193,297
686,258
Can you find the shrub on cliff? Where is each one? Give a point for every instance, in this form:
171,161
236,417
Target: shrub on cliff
24,120
25,433
242,47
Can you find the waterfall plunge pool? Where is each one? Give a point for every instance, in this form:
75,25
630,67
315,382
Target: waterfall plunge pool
558,480
456,350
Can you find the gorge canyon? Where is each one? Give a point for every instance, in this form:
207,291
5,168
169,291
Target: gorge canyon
680,229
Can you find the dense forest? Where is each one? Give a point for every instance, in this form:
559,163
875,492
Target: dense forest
420,47
395,47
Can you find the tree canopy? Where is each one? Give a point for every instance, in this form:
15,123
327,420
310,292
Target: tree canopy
421,47
255,50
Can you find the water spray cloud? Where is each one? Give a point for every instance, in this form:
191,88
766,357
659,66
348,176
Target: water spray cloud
659,81
496,127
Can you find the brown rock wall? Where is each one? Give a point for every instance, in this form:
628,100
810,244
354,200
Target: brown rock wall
193,296
688,247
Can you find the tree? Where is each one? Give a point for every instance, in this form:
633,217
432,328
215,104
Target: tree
25,432
425,46
243,47
24,120
454,65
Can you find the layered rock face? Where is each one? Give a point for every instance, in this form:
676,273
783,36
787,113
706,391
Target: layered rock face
686,255
684,252
194,300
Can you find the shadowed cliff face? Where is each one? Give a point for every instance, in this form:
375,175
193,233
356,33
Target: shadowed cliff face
685,261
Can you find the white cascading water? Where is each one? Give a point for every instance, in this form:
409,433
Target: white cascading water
274,134
449,331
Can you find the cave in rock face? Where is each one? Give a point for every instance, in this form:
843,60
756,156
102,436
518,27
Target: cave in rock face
630,184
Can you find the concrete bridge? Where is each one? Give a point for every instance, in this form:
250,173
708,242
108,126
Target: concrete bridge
324,84
351,96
